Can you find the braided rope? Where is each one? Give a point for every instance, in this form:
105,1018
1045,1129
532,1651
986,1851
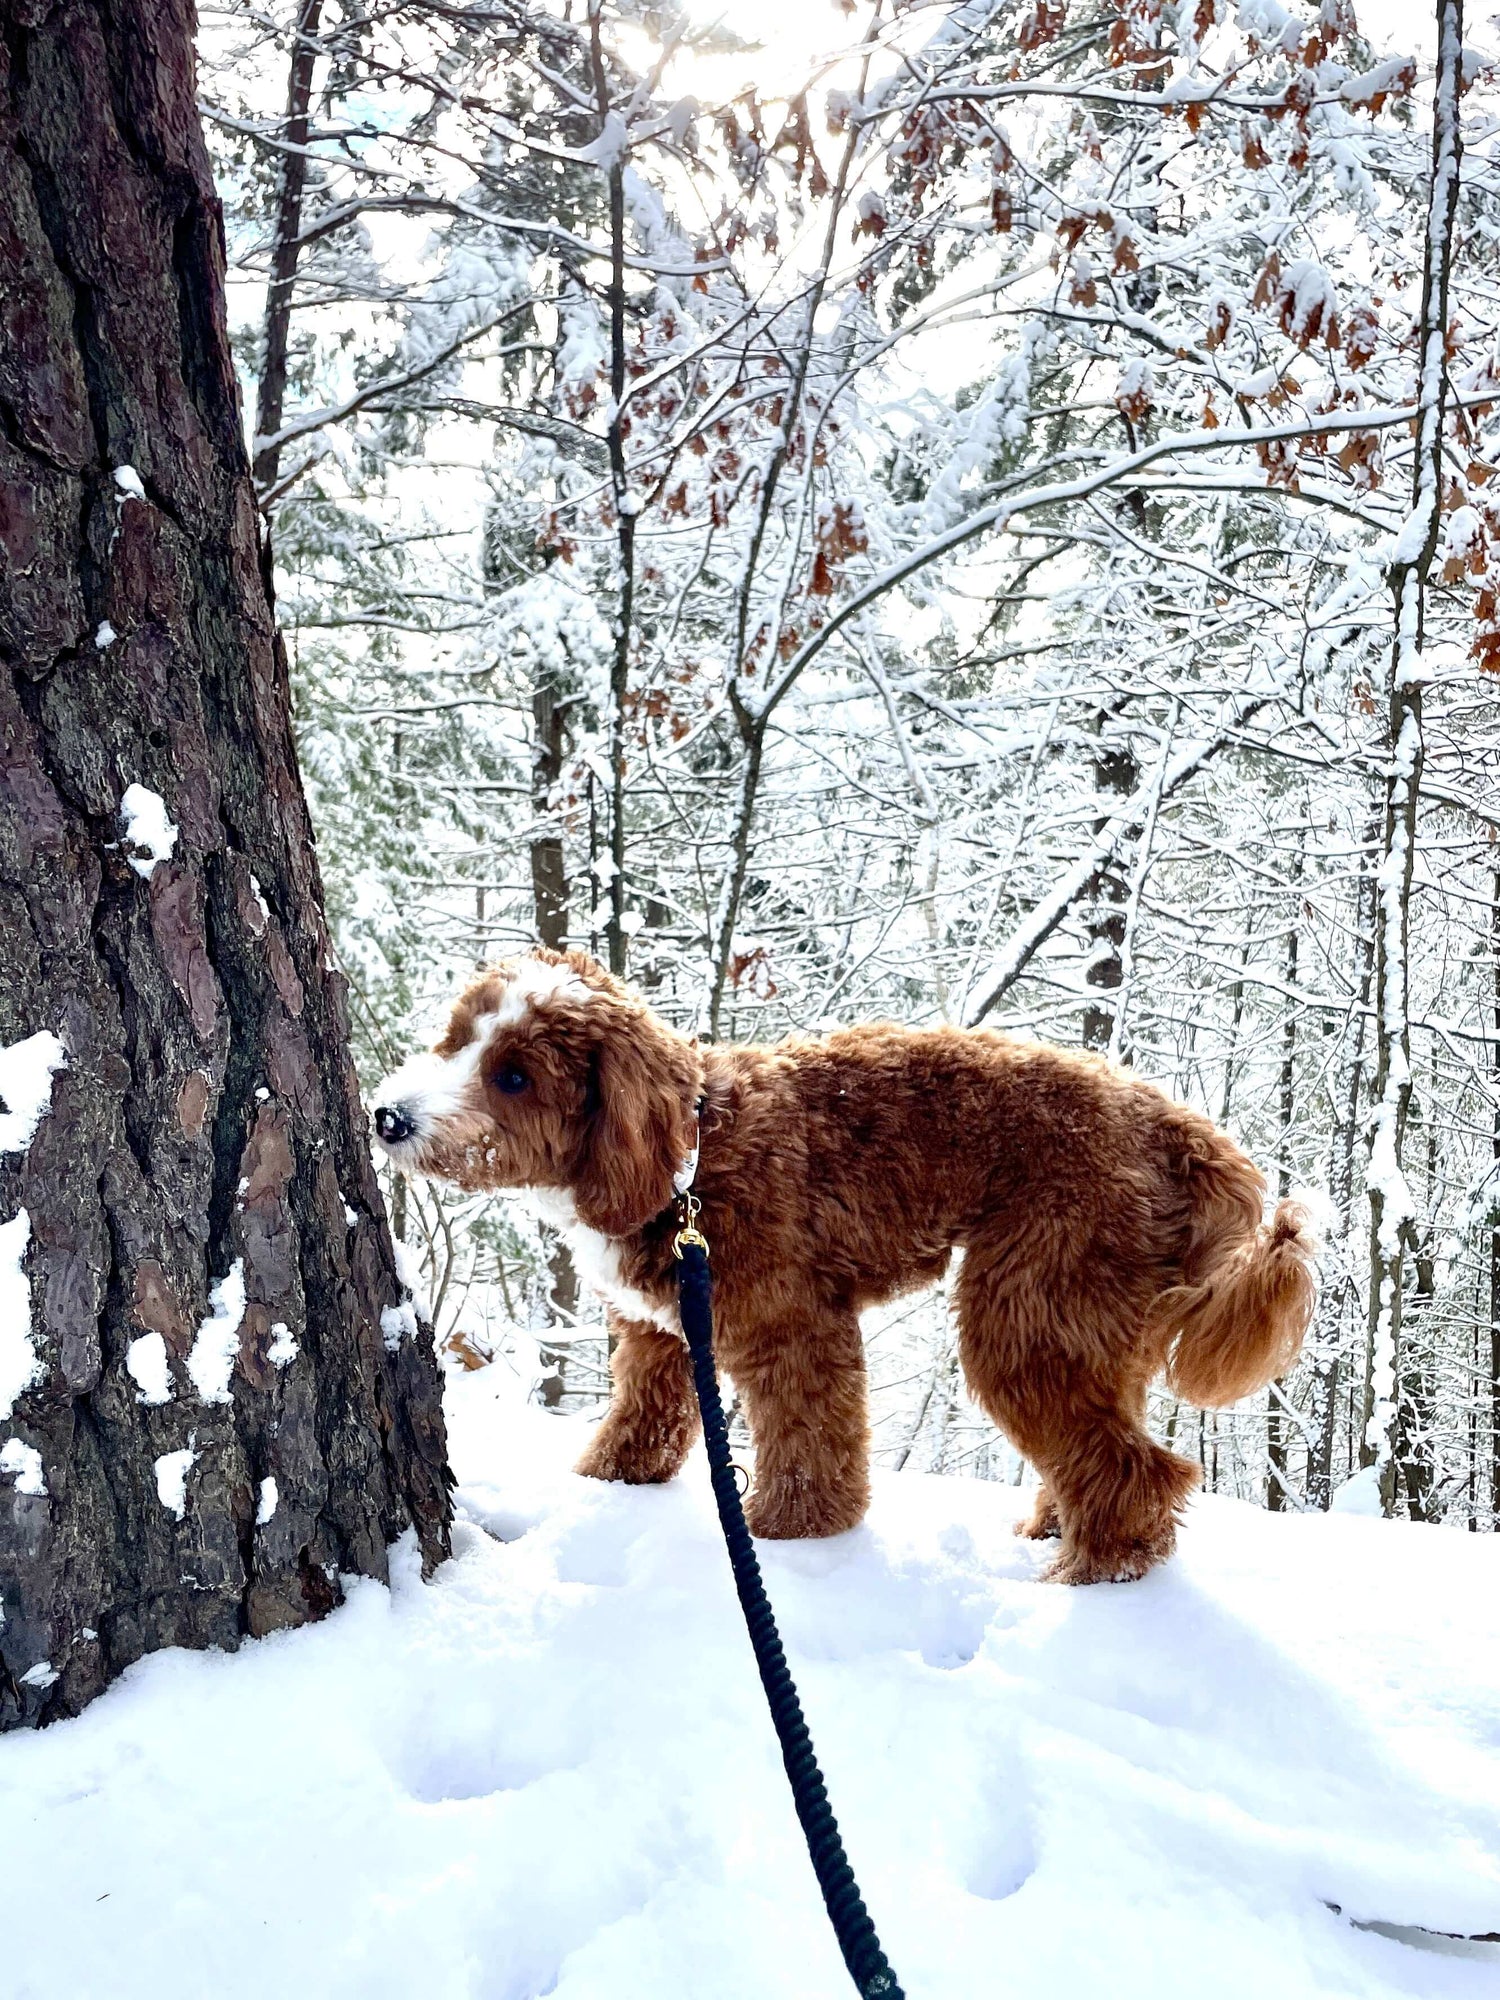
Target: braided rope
846,1910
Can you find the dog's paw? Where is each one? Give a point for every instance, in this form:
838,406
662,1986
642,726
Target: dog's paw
796,1513
629,1460
1117,1565
1043,1522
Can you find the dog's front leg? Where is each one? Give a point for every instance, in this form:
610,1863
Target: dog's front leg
804,1395
653,1415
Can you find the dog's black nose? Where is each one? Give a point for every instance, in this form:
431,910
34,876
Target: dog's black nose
392,1124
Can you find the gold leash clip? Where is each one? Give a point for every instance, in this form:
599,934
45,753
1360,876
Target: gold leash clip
688,1210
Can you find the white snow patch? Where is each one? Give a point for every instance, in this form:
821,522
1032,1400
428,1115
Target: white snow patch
26,1072
172,1470
147,828
1298,1711
1312,299
1464,533
106,635
128,483
1359,1495
24,1464
609,148
409,1271
1407,547
42,1675
146,1359
217,1346
20,1365
266,1505
1393,75
398,1323
1137,383
283,1346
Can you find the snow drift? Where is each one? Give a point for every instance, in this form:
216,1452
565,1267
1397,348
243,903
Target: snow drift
550,1772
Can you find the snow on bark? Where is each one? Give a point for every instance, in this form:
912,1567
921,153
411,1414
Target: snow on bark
22,1463
146,829
217,1346
146,1361
21,1367
172,1469
26,1072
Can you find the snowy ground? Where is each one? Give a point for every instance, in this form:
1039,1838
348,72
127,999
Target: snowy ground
551,1772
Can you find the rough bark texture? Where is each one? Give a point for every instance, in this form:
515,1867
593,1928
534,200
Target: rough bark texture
207,1123
1116,773
286,246
551,892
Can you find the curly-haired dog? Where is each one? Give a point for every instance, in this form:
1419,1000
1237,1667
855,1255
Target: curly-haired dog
1108,1233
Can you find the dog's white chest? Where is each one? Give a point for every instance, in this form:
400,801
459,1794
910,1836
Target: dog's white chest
596,1258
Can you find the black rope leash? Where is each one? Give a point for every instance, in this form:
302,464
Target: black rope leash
851,1921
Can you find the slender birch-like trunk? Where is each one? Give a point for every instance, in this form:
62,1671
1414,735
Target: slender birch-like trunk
1392,1208
1338,1301
1278,1490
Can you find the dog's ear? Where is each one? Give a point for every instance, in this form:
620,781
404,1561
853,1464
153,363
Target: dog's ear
639,1127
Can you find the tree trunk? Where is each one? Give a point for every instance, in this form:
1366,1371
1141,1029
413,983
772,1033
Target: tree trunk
222,1401
1338,1302
1278,1488
286,247
550,894
1116,775
549,873
1494,1228
1392,1210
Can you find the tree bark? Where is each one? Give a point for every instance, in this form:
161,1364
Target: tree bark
1116,775
1338,1302
550,894
1494,1218
286,246
1278,1486
228,1404
549,871
1392,1211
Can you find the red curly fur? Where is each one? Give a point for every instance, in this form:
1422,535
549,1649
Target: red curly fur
1108,1234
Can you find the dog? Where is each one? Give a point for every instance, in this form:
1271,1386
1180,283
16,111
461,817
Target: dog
1107,1232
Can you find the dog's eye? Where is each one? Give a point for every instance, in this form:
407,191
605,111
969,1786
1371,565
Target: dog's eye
511,1080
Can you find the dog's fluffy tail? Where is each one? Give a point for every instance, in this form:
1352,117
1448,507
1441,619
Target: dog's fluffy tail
1239,1318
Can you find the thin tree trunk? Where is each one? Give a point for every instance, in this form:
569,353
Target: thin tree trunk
549,872
286,246
1339,1299
1392,1211
228,1405
1495,1221
1414,1464
616,938
1278,1491
1116,775
550,894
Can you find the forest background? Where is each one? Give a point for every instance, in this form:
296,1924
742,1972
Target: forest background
979,513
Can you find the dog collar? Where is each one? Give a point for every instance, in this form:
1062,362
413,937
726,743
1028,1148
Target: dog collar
687,1173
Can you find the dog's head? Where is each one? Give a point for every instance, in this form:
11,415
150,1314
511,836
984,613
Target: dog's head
551,1074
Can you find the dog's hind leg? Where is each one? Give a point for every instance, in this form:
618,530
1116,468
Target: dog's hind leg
653,1416
1119,1497
1066,1382
804,1396
1043,1522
